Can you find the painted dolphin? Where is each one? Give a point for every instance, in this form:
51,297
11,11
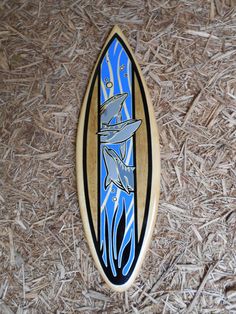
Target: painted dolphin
117,171
111,108
120,132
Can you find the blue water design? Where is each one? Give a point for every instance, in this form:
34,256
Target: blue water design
115,203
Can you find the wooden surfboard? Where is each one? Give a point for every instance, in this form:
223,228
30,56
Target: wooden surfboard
117,164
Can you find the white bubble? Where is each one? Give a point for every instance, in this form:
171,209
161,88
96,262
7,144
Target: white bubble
109,84
114,199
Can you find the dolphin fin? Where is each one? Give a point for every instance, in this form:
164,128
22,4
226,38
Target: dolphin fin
104,125
123,150
119,118
126,185
103,132
107,181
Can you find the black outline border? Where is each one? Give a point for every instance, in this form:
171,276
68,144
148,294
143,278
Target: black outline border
123,279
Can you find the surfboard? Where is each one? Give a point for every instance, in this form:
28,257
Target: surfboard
117,163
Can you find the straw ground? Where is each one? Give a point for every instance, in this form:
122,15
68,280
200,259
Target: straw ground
187,52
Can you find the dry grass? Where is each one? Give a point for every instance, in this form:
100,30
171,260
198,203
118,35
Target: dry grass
187,51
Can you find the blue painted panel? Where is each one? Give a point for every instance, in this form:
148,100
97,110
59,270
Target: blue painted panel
117,205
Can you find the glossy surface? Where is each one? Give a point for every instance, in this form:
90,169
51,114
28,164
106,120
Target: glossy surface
117,164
